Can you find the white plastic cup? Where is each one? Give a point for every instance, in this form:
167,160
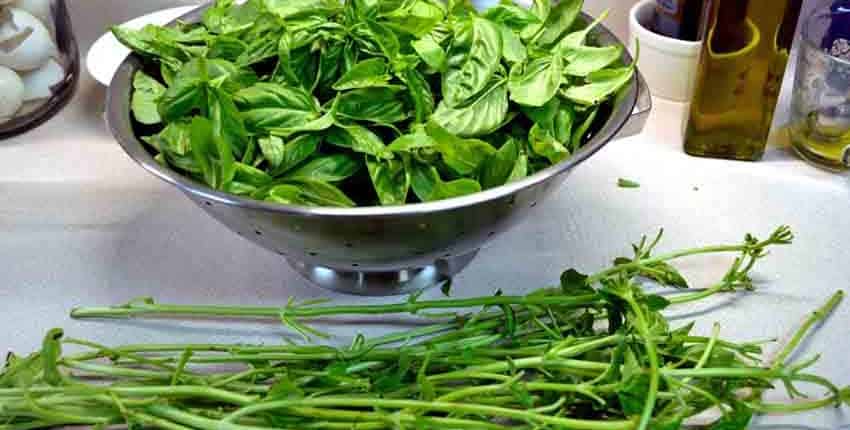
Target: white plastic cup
669,65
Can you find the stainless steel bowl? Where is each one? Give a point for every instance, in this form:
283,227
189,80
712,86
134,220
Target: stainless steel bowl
379,250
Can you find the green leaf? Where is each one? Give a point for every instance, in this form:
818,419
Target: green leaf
431,53
419,139
51,352
330,168
359,139
284,70
284,388
633,394
585,60
229,133
226,48
498,167
420,94
512,16
574,282
203,150
456,188
174,143
581,132
273,150
520,170
296,152
294,8
483,115
266,106
559,21
473,59
513,49
627,183
464,156
385,38
417,19
373,72
540,9
545,145
380,105
323,194
181,99
146,94
537,82
390,179
250,175
657,303
232,78
579,38
737,419
602,85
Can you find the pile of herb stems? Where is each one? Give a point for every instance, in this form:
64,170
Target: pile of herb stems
594,354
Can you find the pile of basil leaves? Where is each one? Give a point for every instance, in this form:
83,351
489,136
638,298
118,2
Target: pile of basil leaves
365,102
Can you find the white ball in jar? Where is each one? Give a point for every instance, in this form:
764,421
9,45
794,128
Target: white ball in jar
37,8
25,43
11,93
39,84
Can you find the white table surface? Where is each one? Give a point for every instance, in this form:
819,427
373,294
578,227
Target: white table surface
80,223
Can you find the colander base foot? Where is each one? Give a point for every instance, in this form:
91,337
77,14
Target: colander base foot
390,283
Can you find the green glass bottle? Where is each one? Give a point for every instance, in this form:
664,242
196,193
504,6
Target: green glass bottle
741,70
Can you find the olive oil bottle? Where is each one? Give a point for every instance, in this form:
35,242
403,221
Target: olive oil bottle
741,70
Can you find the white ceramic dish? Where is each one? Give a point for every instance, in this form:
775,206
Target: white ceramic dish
669,65
106,54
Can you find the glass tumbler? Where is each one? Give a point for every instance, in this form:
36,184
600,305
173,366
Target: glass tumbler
820,131
39,63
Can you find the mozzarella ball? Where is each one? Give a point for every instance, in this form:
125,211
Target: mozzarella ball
37,8
11,93
25,43
39,83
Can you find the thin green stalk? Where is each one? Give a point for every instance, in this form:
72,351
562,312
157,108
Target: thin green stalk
816,317
654,364
482,410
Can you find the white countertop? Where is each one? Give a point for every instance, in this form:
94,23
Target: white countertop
80,223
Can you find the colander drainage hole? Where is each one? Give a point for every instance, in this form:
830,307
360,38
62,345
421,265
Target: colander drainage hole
534,204
491,234
208,203
355,265
258,232
349,245
314,254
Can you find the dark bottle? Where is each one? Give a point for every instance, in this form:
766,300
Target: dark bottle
741,69
678,19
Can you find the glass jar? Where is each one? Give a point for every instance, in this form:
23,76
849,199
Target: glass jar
39,63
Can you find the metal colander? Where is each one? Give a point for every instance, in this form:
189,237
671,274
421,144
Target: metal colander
379,250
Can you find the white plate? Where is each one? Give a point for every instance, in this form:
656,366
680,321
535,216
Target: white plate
107,54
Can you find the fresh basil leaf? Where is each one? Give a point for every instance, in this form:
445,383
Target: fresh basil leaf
203,150
473,59
464,156
373,72
390,179
585,60
294,8
321,123
456,188
420,93
174,144
232,77
559,21
385,38
250,175
431,53
284,72
330,67
419,139
380,105
228,132
226,48
296,152
536,82
150,42
602,85
499,166
579,38
483,115
359,139
512,16
330,168
544,144
273,149
146,94
266,106
513,49
520,170
418,18
581,132
226,17
318,193
540,9
181,99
